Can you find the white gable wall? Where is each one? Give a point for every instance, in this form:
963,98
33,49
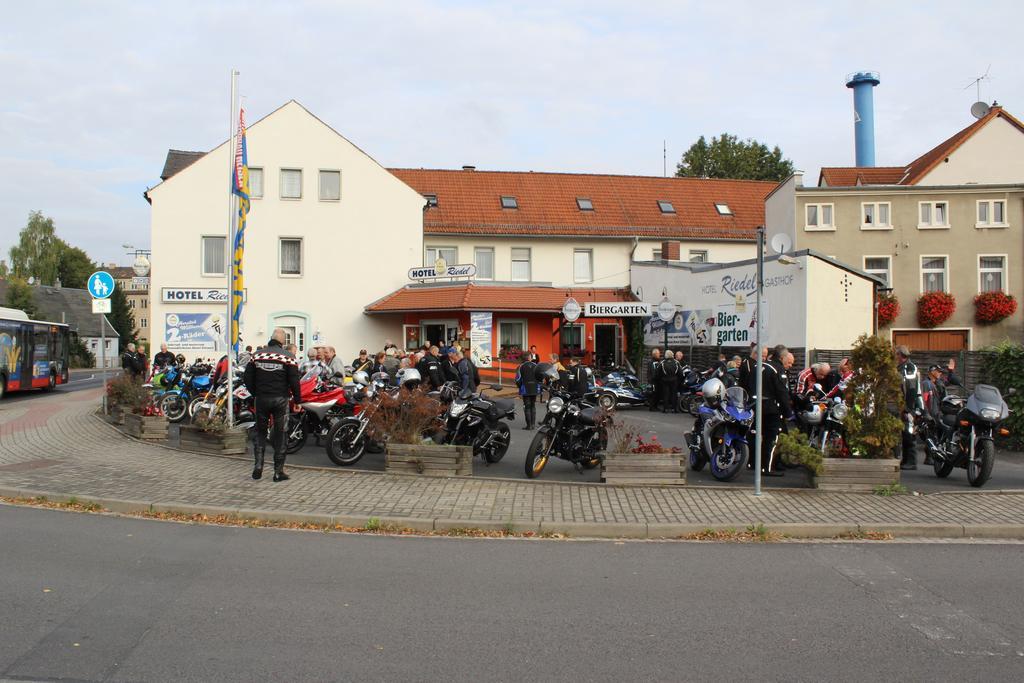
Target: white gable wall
994,154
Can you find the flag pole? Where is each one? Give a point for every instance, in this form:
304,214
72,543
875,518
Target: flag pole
229,245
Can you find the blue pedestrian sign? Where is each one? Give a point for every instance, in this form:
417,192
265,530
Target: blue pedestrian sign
101,284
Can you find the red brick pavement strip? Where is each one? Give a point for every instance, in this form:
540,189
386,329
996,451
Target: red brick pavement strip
60,450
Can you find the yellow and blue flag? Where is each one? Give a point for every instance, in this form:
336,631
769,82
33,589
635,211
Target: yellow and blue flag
240,186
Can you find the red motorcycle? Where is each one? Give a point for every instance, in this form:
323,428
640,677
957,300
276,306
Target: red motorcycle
320,405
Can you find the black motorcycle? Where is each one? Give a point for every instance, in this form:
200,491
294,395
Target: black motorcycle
964,434
349,438
476,420
572,429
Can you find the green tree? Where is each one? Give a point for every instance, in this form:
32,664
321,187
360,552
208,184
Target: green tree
726,156
74,267
121,317
4,270
37,253
20,295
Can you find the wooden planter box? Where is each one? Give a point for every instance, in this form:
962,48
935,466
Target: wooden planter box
231,442
643,468
429,460
116,414
857,474
149,427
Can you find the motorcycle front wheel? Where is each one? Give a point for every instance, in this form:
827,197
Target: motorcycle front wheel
498,446
174,407
296,434
537,454
728,460
980,469
607,400
342,447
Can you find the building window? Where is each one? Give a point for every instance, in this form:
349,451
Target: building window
291,256
145,303
991,213
509,203
875,216
991,273
879,266
330,186
521,264
291,183
698,256
511,339
933,274
131,303
255,183
933,215
213,256
723,209
656,254
666,207
142,323
584,204
571,341
483,257
819,217
582,265
431,200
449,254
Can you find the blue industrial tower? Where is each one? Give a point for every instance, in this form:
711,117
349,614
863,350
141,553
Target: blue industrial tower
863,83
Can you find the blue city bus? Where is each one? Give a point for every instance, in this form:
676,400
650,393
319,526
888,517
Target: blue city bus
33,353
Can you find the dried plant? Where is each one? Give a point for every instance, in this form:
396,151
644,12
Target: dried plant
405,417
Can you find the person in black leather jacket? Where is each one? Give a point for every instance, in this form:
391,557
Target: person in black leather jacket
913,404
526,380
777,406
270,377
430,368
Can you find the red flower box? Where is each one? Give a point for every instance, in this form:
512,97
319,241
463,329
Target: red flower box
888,309
991,307
934,308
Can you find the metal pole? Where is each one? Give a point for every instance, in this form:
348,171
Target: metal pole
103,360
230,246
760,363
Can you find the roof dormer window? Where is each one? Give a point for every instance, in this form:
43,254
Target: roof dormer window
723,209
584,204
431,200
509,203
666,207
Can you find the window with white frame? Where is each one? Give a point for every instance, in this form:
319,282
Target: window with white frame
142,323
933,215
449,254
255,183
291,183
582,265
819,217
875,216
879,266
511,338
934,275
698,256
991,273
291,256
330,186
521,264
991,213
213,255
483,257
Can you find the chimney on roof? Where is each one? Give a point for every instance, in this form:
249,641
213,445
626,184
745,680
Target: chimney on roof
467,167
670,251
863,84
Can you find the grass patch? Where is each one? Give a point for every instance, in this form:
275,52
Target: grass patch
865,536
890,490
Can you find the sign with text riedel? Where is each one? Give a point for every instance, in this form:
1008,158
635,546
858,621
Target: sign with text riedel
617,309
433,272
192,295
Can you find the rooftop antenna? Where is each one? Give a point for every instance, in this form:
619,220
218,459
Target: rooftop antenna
980,108
664,160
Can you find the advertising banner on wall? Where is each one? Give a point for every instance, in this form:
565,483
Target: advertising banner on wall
195,331
723,325
480,331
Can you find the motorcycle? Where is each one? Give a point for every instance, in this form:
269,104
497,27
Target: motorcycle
719,435
195,381
824,422
690,398
965,432
474,419
349,438
320,405
620,388
572,429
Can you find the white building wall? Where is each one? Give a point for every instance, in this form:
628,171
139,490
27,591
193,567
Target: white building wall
718,251
840,306
355,250
972,162
780,209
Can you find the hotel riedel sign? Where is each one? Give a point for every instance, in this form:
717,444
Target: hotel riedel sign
191,295
441,269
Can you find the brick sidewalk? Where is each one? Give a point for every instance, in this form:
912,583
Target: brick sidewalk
54,444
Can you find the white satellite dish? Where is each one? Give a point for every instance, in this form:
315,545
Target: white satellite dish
781,243
980,110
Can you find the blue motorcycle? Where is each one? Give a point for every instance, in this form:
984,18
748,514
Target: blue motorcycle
719,435
193,382
620,388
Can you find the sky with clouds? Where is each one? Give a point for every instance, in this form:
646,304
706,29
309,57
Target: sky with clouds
93,94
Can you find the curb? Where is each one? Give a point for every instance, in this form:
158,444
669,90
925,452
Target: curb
597,530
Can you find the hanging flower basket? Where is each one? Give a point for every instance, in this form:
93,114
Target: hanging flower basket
991,307
934,308
888,309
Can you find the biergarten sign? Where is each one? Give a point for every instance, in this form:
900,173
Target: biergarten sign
617,309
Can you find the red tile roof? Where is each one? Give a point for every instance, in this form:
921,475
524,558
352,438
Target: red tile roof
917,169
469,202
473,297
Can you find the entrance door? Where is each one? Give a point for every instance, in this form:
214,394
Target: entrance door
435,334
606,345
289,335
931,340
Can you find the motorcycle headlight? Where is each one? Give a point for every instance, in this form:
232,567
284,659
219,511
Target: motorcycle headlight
556,405
990,413
839,411
458,409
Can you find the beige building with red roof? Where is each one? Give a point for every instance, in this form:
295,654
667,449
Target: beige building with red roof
951,221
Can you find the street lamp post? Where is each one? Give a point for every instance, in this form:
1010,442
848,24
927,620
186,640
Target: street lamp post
760,362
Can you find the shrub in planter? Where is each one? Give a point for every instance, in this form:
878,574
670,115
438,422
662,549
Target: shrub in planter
888,309
934,308
795,449
406,421
632,459
873,393
991,307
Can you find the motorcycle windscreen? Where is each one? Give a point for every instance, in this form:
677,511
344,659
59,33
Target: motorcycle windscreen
736,397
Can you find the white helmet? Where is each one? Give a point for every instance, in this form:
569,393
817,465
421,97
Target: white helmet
408,377
361,378
713,391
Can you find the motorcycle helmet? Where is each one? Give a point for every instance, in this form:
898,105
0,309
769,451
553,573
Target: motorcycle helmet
361,378
713,391
814,415
180,359
408,378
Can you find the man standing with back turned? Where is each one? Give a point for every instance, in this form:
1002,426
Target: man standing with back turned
271,374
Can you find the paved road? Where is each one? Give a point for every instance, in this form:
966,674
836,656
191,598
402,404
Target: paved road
93,598
79,380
